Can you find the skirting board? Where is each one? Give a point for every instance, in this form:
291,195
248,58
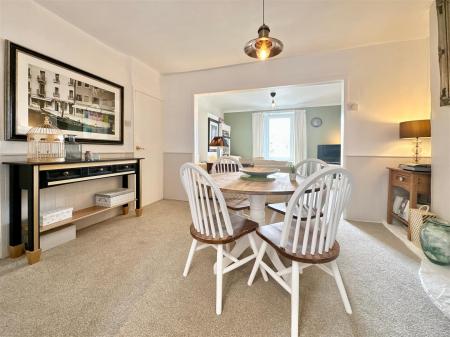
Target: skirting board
400,232
56,238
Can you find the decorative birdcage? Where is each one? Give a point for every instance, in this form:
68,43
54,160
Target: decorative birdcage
45,143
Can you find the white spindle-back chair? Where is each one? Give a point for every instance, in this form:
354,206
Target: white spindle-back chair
235,202
304,168
212,225
310,239
309,166
226,164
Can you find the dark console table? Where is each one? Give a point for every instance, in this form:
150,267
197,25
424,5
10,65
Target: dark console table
33,177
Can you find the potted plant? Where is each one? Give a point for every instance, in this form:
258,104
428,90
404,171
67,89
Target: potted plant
292,171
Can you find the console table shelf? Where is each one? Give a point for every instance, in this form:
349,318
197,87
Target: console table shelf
80,215
33,177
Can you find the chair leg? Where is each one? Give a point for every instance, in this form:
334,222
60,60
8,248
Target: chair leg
273,217
219,275
190,256
295,299
251,239
258,259
340,285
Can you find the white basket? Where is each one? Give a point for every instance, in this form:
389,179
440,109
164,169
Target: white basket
55,215
417,217
114,198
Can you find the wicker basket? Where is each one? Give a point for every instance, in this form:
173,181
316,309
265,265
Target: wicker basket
417,217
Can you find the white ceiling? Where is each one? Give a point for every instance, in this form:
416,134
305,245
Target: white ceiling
185,35
293,96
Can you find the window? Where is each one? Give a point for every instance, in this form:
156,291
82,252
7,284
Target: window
95,100
86,99
86,85
41,91
278,136
79,83
79,98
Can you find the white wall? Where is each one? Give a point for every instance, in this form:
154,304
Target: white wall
389,82
205,110
28,24
440,128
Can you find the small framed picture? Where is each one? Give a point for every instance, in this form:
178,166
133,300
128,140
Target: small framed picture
397,204
213,131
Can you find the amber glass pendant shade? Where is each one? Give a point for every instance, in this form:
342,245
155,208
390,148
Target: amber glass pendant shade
264,46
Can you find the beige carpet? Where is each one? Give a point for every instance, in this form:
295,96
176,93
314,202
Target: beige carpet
123,278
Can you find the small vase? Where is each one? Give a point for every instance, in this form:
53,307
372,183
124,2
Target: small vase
435,241
292,176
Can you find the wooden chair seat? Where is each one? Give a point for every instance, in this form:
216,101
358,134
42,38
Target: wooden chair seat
272,235
282,206
241,226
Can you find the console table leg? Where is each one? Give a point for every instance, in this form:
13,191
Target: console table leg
138,189
34,256
33,250
125,208
16,247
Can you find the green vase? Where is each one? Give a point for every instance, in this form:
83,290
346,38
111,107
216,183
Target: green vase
435,241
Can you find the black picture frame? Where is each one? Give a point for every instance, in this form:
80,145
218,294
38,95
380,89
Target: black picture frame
11,95
443,21
211,124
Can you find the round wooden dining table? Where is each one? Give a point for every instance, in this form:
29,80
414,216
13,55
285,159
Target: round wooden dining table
257,192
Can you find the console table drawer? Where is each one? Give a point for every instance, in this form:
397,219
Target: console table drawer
56,175
97,170
125,167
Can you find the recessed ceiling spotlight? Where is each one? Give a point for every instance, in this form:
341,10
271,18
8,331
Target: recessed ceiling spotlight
263,46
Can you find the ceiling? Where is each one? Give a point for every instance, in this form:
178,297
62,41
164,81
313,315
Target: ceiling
185,35
293,96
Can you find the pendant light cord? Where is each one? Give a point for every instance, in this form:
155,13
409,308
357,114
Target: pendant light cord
263,13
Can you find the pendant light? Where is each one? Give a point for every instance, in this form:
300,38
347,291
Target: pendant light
263,46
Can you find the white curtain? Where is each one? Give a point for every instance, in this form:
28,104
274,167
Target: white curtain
299,136
258,134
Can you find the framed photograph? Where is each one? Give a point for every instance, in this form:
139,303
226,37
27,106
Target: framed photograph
442,7
77,102
213,131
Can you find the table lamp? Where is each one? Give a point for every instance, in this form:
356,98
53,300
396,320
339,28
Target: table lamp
218,142
416,130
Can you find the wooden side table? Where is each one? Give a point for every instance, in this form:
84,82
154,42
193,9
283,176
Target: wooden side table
414,183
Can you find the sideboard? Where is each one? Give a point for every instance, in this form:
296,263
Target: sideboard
33,177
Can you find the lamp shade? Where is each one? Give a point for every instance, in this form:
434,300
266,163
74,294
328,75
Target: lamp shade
218,141
415,129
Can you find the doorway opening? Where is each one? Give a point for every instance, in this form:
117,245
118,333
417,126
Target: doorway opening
274,125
